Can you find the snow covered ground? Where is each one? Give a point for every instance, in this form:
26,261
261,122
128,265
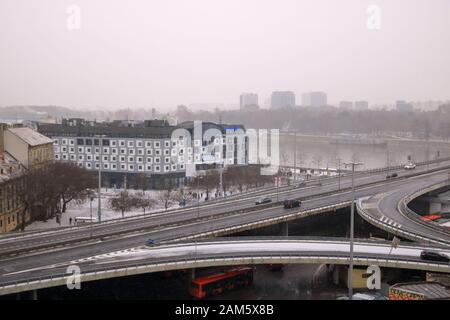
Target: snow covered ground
84,209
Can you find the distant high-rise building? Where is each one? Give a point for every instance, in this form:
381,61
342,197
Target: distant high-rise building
361,105
314,99
403,106
347,105
248,99
282,99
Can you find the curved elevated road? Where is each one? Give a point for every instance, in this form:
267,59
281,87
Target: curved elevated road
195,229
29,241
389,211
221,252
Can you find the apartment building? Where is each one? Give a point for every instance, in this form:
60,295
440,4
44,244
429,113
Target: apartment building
121,150
10,204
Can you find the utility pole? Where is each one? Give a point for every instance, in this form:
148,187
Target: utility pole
387,160
100,186
295,156
352,229
339,173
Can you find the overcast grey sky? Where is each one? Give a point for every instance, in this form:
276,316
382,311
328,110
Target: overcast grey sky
145,53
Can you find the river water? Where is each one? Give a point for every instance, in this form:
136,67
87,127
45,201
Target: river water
314,150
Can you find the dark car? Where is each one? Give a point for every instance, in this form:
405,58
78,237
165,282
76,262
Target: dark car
433,256
263,200
394,175
151,242
288,204
300,185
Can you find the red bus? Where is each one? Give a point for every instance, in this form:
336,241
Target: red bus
221,282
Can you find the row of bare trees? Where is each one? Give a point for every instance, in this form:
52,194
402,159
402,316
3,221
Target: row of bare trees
126,201
239,177
42,189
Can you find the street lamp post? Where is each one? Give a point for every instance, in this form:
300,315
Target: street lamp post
352,229
92,199
339,173
198,196
295,156
278,182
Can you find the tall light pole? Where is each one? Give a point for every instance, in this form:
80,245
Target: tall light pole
198,196
387,158
339,173
100,145
92,199
100,142
295,155
352,229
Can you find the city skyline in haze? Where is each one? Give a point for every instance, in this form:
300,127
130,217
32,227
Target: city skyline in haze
139,54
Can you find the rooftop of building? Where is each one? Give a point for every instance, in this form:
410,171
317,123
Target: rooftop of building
31,137
125,129
431,290
9,167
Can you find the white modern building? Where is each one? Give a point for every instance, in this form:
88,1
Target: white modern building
281,99
148,148
248,100
361,105
346,105
314,99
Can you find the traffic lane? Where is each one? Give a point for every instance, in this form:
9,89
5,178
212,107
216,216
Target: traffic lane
388,206
216,250
149,222
131,241
187,214
83,251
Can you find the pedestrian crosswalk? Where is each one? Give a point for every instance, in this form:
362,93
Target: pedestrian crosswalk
390,222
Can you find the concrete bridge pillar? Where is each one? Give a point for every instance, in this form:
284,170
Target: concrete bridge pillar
284,229
34,295
336,275
191,274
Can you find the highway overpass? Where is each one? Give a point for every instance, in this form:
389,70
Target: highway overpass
333,194
63,246
389,211
225,252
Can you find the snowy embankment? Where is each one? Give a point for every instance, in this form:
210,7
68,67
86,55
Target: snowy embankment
84,209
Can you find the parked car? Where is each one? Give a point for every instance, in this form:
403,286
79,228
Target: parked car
263,200
410,166
288,204
434,256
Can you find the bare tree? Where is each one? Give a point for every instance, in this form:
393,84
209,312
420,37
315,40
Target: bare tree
144,202
142,181
123,202
167,197
70,181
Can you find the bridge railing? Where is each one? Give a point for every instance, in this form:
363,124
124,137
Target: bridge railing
240,258
406,211
394,229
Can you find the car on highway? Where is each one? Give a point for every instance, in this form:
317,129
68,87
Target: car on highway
394,175
410,166
263,200
151,242
300,185
434,256
288,204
